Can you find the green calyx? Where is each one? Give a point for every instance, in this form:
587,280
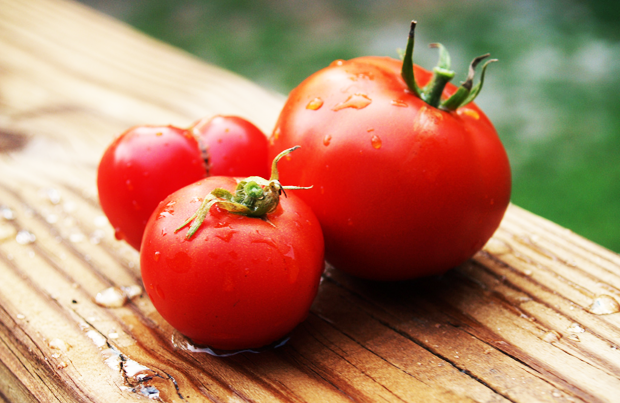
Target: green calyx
431,92
253,197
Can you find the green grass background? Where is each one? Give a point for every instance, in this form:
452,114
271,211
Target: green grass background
554,96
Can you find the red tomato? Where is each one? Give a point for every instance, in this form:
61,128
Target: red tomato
139,169
233,146
238,282
402,189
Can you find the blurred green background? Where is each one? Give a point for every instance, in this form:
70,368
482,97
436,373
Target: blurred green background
553,97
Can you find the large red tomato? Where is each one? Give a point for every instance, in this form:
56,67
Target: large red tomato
139,169
403,187
244,274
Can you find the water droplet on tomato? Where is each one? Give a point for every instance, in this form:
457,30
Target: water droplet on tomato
266,240
355,101
160,292
164,232
118,234
327,140
156,256
136,205
129,185
398,102
366,76
292,265
337,62
196,200
227,237
169,208
468,112
315,104
376,142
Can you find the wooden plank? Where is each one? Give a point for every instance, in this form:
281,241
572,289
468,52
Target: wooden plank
514,324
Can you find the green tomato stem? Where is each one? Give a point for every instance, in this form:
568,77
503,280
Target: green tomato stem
407,69
432,92
253,197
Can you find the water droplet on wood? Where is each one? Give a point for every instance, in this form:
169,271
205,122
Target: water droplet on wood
112,297
604,305
77,237
551,337
25,237
51,195
497,247
7,213
132,291
575,328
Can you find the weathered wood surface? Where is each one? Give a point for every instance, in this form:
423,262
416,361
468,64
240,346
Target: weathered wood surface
512,325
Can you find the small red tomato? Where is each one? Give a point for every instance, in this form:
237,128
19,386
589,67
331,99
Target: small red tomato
139,169
233,146
407,181
247,269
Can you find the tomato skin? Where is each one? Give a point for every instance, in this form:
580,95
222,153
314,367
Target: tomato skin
139,169
402,189
239,282
234,146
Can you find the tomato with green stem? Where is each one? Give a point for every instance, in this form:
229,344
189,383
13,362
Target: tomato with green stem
410,177
230,264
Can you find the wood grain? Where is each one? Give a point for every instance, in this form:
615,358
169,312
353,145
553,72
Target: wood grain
513,324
